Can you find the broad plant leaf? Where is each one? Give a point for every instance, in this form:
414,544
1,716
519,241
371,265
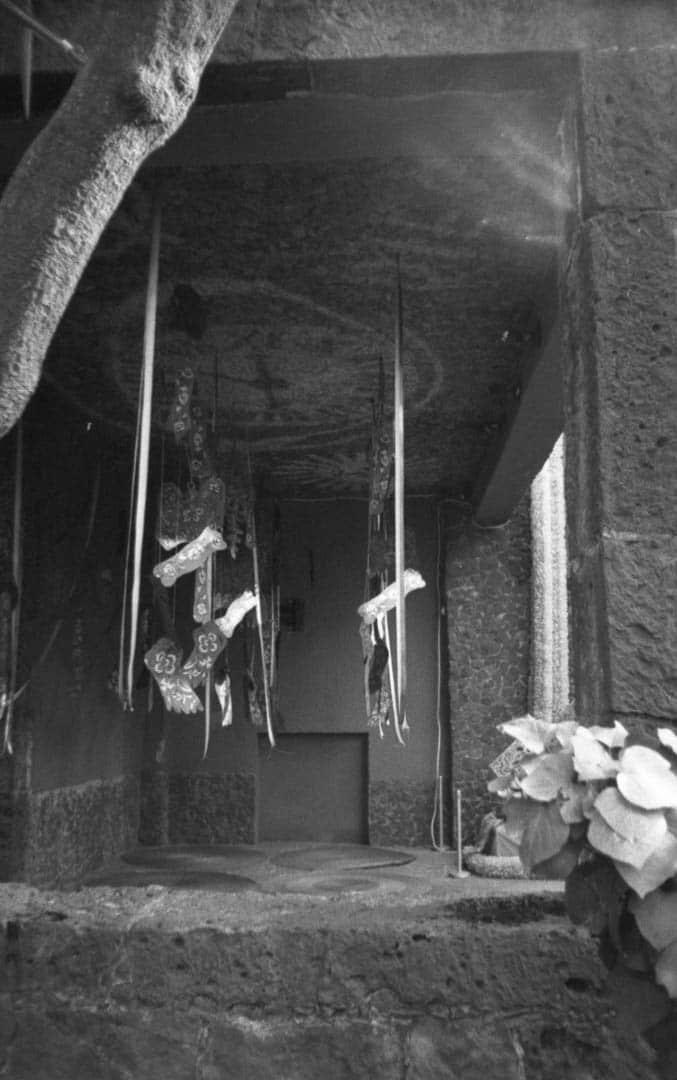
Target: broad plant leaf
608,842
668,738
532,733
559,866
659,867
544,834
518,813
656,917
666,969
550,774
613,737
594,895
591,760
646,779
562,733
576,801
632,822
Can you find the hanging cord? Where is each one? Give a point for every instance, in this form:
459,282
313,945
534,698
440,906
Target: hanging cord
438,844
146,392
17,574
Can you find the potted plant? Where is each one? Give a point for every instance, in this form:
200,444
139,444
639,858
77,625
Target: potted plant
598,807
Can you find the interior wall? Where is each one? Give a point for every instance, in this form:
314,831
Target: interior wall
488,576
320,691
77,755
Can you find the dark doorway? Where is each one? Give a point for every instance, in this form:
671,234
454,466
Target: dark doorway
313,787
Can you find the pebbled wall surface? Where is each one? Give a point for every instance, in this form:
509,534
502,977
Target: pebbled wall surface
488,577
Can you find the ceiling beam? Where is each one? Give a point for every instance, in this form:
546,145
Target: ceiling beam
525,444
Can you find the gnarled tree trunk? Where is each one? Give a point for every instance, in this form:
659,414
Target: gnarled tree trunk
140,80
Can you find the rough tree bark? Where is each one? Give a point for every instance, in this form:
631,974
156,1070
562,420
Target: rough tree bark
142,76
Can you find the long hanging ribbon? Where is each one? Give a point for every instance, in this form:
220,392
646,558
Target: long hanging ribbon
259,613
208,681
17,574
27,65
128,558
399,513
146,390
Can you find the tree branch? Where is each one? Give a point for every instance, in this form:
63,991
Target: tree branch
142,77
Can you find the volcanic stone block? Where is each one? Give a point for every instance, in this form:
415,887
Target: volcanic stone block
72,831
629,106
400,812
641,588
206,808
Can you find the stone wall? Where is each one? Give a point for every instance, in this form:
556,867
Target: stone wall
400,813
205,808
71,831
488,573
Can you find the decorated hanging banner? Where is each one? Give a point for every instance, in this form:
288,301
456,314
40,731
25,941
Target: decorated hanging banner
179,422
163,660
236,612
209,644
200,459
183,517
170,530
191,556
224,694
237,514
201,596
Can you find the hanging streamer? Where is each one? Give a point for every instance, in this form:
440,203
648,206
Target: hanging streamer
144,425
208,681
17,574
398,433
259,613
27,64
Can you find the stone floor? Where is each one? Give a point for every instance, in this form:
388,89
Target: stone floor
304,962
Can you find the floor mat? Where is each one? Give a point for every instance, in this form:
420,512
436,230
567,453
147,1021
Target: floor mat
340,857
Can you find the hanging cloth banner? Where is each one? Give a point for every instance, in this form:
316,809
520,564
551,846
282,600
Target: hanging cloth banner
144,425
398,439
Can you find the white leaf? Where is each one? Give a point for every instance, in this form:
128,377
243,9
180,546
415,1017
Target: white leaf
562,733
658,868
656,917
545,834
551,773
577,800
646,779
591,760
633,823
666,969
612,737
533,734
607,841
623,831
668,737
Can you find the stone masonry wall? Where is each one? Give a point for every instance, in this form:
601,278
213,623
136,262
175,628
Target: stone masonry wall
488,576
71,831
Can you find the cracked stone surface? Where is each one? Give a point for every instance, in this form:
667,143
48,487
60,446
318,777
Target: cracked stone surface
481,976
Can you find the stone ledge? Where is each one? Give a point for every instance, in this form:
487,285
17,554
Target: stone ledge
110,988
